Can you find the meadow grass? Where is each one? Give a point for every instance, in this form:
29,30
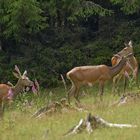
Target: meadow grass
18,124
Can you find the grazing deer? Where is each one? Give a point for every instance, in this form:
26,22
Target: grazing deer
7,92
88,75
131,67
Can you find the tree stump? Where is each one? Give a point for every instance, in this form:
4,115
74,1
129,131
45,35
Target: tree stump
91,123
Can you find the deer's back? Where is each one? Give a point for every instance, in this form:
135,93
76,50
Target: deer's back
89,73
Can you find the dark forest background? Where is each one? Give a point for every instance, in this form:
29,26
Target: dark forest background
50,37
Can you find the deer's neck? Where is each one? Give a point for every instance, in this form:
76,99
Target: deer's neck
133,62
17,88
117,68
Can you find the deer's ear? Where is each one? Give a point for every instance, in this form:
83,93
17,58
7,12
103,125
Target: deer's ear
130,43
25,73
17,70
16,75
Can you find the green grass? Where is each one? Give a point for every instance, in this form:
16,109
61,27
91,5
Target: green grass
18,124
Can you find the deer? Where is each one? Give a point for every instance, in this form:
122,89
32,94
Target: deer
130,68
89,75
9,91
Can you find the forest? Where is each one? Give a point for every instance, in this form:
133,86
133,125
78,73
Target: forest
50,37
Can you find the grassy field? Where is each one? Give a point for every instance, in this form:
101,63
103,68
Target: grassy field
18,124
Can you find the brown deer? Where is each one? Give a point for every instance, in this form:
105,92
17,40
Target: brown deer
8,92
88,75
131,67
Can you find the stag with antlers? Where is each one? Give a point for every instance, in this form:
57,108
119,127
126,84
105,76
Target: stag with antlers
130,68
8,92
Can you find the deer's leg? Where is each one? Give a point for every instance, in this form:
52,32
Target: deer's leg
1,109
114,83
125,83
135,75
118,78
76,95
71,92
126,77
101,89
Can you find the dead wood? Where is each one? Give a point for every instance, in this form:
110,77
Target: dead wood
126,98
102,122
50,108
55,107
91,123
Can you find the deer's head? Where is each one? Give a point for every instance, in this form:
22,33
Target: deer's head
127,50
23,80
123,53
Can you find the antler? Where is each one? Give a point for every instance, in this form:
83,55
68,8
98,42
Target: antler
17,70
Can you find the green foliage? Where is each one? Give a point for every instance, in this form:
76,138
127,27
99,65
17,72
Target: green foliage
71,10
24,17
53,36
129,7
3,11
88,8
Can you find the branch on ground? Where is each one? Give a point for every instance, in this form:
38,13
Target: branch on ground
92,122
55,107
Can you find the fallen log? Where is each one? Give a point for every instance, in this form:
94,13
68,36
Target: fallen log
55,107
50,108
92,122
102,122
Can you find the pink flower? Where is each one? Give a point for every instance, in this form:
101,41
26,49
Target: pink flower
10,94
